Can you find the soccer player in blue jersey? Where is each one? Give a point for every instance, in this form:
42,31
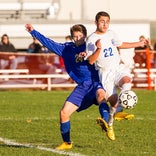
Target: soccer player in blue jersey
88,91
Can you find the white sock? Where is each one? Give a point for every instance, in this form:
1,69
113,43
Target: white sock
126,86
112,111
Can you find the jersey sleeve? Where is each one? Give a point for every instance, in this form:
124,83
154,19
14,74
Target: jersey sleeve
90,47
53,46
116,41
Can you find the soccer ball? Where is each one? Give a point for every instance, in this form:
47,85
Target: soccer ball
128,99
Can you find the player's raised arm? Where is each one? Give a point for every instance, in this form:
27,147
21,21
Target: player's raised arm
92,58
29,27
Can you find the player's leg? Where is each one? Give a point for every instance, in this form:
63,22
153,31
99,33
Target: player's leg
123,78
103,106
65,114
103,109
124,84
106,120
113,104
111,94
73,103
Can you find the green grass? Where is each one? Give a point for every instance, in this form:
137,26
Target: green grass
32,117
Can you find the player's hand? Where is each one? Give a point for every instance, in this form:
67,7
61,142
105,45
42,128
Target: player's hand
29,27
82,54
98,44
144,42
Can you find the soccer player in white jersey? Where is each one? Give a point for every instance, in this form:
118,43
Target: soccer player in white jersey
102,50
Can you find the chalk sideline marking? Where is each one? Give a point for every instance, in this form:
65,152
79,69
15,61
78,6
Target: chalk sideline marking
13,143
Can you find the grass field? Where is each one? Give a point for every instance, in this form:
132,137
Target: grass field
29,126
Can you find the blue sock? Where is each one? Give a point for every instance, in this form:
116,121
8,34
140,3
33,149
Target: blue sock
104,111
65,131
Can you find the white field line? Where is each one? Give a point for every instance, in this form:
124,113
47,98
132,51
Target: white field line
13,143
142,118
36,118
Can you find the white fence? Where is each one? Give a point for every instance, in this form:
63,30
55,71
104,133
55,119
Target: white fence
25,83
22,77
140,78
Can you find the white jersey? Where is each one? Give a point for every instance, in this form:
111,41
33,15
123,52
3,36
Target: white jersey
108,63
109,57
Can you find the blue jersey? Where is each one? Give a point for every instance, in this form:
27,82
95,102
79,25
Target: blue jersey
78,69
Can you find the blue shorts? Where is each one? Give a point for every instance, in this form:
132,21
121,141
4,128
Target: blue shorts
84,94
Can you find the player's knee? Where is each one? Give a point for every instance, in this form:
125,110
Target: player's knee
64,116
100,95
124,80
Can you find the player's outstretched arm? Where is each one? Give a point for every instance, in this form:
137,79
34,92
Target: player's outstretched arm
53,46
29,27
126,45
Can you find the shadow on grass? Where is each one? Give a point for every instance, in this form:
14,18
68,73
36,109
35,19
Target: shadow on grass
15,146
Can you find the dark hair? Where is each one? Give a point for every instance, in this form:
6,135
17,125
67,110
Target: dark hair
78,27
101,13
4,35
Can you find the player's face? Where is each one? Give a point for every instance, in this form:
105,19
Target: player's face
102,24
5,40
78,38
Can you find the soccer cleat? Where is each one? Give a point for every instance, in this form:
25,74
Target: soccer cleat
102,123
123,115
64,146
129,116
110,133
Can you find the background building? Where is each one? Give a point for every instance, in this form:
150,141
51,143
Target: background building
54,17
